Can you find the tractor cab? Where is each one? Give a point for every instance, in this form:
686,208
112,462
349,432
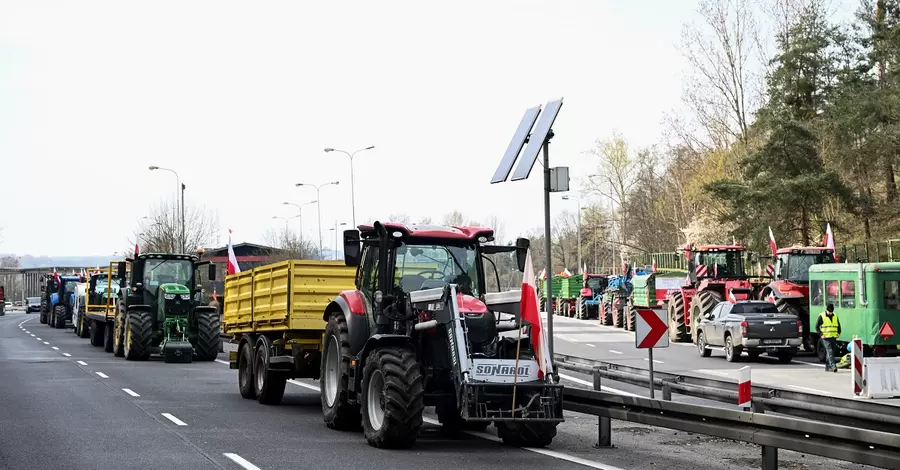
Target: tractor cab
792,264
715,261
167,284
102,288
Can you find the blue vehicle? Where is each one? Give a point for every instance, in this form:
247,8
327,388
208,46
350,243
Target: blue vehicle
62,300
591,296
615,300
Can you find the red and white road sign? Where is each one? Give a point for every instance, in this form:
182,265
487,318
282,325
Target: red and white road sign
886,331
651,329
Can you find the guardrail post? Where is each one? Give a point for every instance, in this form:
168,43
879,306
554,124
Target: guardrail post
604,424
666,391
769,458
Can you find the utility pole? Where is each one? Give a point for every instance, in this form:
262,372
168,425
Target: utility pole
578,230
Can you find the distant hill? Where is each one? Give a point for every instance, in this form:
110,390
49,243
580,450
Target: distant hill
29,261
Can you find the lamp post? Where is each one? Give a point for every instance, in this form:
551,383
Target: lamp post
299,213
336,225
319,207
352,185
285,219
181,187
566,198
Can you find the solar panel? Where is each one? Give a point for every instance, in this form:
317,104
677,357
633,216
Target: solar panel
536,141
515,145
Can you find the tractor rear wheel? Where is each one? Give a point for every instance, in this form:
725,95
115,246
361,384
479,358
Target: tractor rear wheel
118,337
208,338
269,385
524,434
630,317
703,303
606,311
97,333
245,371
580,310
618,312
45,310
138,335
393,398
677,329
802,314
59,316
337,410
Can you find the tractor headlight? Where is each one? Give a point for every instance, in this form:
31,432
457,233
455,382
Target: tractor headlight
170,296
185,297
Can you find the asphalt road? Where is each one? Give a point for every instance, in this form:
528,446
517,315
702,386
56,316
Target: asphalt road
68,405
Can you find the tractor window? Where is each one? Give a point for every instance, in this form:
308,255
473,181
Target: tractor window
831,292
70,286
722,263
848,294
166,271
815,292
370,269
429,266
892,295
795,267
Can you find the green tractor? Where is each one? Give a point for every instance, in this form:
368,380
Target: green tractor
160,310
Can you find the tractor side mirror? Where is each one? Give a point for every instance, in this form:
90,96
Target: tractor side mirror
211,275
121,272
522,245
352,247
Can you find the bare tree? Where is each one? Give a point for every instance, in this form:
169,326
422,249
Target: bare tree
289,245
399,218
454,218
616,177
494,223
160,231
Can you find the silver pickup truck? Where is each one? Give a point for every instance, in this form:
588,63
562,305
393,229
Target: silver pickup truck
753,325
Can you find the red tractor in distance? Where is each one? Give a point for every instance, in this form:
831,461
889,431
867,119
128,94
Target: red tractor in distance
715,273
789,289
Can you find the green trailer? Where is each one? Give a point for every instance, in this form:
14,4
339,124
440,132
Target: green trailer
866,298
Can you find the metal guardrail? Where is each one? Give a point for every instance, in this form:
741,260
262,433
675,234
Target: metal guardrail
856,413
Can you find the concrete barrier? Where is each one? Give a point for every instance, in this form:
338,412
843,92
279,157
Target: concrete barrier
882,377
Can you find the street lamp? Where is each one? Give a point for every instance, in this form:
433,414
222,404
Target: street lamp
285,219
336,225
319,207
181,187
566,198
352,185
299,213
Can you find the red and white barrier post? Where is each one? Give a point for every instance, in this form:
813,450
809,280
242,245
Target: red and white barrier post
744,387
856,362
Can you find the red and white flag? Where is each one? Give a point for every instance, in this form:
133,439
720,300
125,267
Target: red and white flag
530,313
654,264
232,260
55,275
137,251
829,241
772,243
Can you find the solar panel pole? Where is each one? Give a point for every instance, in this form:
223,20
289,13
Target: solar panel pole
547,245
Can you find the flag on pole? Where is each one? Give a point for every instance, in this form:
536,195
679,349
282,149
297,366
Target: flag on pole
772,243
654,264
829,241
137,251
55,275
232,259
529,312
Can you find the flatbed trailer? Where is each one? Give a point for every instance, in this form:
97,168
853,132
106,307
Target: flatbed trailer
274,314
100,307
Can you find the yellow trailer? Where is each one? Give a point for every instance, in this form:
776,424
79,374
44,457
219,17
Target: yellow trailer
101,302
275,315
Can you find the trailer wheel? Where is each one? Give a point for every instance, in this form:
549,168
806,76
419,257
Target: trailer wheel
107,333
245,371
337,410
97,333
269,385
119,336
59,316
208,339
523,434
138,335
393,398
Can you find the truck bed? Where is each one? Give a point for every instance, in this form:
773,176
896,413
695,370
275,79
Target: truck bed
290,295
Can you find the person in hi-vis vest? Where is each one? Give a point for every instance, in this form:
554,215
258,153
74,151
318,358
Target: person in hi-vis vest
829,328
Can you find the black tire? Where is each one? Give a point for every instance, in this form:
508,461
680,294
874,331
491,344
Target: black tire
83,328
521,434
732,352
820,350
580,310
753,354
802,314
59,316
138,335
107,336
245,371
785,357
701,345
606,311
341,414
45,312
677,329
701,305
97,333
452,423
618,311
630,317
119,336
268,385
208,339
393,382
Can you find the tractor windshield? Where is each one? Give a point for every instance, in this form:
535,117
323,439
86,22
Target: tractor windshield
166,271
70,286
721,263
420,267
795,266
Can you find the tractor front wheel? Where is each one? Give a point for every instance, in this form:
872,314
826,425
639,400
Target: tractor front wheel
208,337
703,304
138,335
524,434
452,423
580,310
337,410
677,328
59,316
393,398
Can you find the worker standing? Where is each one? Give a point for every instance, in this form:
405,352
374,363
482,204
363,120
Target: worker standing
829,328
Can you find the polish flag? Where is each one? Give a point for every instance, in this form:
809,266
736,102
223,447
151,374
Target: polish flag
55,275
529,311
232,260
137,251
772,243
654,264
829,240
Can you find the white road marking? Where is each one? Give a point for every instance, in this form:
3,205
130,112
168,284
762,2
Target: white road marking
102,375
226,363
67,355
654,361
715,372
602,387
565,338
37,338
32,334
301,384
82,363
174,419
813,364
46,342
54,348
591,345
814,390
241,461
130,392
615,352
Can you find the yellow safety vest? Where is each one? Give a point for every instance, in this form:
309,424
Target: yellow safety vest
829,326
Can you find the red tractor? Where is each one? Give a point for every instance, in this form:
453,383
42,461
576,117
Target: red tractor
789,289
715,273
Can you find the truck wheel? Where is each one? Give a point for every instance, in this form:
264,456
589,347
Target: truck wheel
732,352
107,332
269,385
59,316
208,339
138,335
393,398
245,371
523,434
677,330
336,409
98,333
